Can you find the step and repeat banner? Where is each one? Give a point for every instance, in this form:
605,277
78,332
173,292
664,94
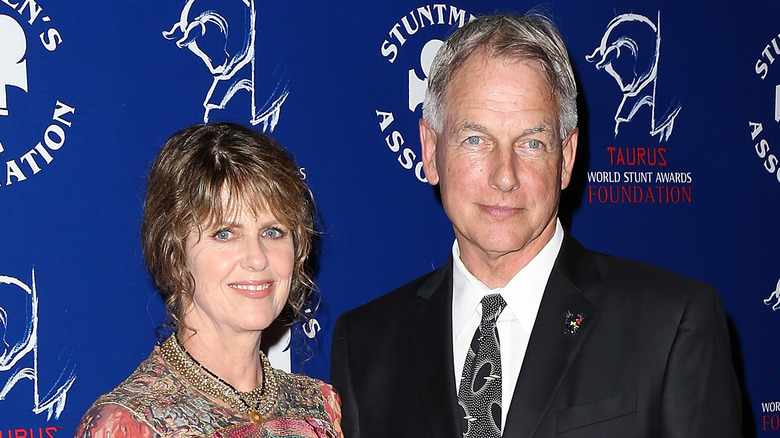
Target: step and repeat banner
679,163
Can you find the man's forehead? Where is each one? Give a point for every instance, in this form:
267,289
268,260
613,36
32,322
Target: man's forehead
471,78
481,60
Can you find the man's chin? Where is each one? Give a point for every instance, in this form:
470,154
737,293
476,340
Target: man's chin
510,244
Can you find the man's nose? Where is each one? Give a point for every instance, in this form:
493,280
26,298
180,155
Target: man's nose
504,169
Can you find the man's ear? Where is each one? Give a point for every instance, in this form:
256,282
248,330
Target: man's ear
428,143
569,151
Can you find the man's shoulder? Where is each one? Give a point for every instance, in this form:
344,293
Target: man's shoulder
647,282
603,276
614,268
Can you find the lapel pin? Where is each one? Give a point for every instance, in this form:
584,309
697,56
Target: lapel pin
573,322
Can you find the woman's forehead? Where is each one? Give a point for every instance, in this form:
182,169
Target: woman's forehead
233,206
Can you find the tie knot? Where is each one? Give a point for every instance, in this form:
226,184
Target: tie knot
492,305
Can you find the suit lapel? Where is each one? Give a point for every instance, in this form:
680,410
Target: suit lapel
432,354
552,348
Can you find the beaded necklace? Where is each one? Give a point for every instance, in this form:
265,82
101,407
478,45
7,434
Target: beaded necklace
256,403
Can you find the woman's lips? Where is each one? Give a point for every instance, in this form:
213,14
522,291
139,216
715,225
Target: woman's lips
253,289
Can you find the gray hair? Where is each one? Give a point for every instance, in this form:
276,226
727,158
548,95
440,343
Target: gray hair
523,37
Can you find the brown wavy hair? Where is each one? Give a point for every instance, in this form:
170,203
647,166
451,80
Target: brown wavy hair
196,169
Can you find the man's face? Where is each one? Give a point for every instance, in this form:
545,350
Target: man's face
499,161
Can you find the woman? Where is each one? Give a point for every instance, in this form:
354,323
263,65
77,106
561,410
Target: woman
226,232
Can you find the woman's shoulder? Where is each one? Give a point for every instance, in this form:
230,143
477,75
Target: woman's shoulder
301,382
157,396
115,414
151,373
104,420
299,391
304,396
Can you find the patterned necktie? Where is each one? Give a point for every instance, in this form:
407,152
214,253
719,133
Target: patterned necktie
479,396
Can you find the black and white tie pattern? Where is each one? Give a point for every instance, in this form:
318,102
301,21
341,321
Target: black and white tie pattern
479,395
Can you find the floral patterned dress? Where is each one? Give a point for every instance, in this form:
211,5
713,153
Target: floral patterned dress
157,400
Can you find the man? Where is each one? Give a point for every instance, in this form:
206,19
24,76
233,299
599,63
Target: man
586,345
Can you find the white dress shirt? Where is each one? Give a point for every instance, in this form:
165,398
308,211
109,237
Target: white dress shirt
523,295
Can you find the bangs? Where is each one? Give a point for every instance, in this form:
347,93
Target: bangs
225,198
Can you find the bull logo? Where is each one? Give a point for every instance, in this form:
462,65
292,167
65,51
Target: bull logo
774,298
222,34
629,52
19,347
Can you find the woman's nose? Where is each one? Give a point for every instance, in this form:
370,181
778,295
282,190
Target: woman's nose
254,257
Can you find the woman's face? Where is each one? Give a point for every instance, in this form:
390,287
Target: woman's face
242,270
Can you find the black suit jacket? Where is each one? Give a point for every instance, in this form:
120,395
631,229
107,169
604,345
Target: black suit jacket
651,358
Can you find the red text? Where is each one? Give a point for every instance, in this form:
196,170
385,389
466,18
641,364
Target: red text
638,156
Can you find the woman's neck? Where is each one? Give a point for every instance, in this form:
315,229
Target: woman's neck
233,357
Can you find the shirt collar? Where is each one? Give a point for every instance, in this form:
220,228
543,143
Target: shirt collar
523,293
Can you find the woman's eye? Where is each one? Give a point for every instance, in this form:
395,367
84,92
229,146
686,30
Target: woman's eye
274,233
223,235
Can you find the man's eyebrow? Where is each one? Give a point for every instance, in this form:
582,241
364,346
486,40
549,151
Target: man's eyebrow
473,126
470,126
541,127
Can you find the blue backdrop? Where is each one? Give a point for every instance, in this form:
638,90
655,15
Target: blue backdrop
678,163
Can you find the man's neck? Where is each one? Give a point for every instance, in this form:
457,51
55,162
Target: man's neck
495,269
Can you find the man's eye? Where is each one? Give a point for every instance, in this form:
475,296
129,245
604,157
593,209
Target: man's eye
473,140
534,144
